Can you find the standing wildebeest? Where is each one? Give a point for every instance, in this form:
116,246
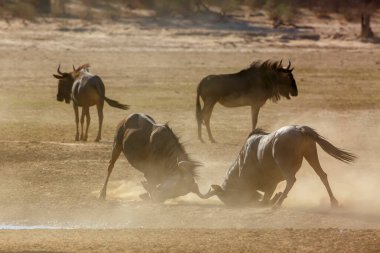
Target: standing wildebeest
157,152
267,159
85,89
249,87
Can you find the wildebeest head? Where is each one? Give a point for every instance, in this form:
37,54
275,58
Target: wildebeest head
287,84
180,183
173,160
232,197
66,81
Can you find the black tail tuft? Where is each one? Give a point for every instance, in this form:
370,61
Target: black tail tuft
116,104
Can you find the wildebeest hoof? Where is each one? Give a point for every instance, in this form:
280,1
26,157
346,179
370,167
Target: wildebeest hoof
97,139
275,198
148,187
276,206
77,137
264,203
334,203
102,195
145,196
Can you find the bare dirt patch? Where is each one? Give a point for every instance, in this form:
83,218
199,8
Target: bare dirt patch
50,180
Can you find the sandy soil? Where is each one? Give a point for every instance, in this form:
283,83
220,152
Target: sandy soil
191,240
50,181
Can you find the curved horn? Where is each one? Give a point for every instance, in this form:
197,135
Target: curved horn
287,68
280,64
59,69
184,164
209,194
188,164
74,68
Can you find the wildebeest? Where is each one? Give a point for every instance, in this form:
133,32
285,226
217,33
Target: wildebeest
252,87
85,89
267,159
157,152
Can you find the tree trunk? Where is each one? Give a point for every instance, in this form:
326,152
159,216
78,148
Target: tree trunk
366,26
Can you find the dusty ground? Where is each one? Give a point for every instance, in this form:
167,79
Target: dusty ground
50,181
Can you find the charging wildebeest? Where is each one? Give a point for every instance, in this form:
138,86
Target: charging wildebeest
267,159
157,152
252,86
85,89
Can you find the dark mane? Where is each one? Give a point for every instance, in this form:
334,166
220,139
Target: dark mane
269,71
266,65
258,131
180,146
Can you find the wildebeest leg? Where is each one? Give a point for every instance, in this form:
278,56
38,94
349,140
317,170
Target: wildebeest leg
116,150
268,194
275,198
82,122
200,130
290,180
288,163
312,158
254,114
99,107
76,121
88,120
206,113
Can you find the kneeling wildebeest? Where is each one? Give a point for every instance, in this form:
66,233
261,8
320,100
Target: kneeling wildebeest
157,152
85,89
267,159
252,87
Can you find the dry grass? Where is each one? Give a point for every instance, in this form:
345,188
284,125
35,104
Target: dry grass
21,9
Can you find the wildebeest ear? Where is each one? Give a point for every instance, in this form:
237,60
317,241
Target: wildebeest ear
58,77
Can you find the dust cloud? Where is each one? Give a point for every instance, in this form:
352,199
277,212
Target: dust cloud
354,185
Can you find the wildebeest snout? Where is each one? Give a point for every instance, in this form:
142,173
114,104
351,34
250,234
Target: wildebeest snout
294,92
59,97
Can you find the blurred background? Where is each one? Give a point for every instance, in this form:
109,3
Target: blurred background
278,12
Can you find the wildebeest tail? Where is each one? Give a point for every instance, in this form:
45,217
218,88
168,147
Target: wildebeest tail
329,148
198,108
99,86
116,104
